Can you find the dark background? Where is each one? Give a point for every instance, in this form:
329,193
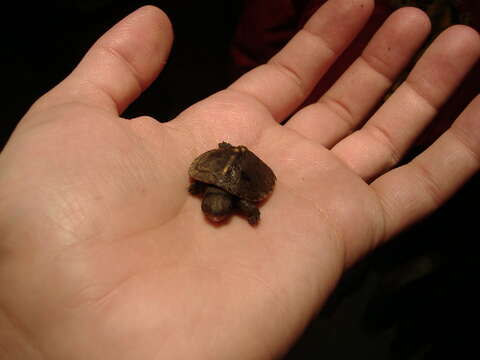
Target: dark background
411,299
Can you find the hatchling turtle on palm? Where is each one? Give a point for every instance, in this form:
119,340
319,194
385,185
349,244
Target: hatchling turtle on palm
231,179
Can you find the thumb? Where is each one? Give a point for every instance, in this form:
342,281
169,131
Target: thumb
119,66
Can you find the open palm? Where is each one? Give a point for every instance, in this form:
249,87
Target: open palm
105,255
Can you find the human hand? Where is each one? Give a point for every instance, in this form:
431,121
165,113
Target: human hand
104,254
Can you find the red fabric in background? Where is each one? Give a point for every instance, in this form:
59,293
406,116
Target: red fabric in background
266,26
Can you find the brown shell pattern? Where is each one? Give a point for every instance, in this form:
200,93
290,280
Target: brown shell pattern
236,170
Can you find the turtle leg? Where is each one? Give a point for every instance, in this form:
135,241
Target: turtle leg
197,187
249,209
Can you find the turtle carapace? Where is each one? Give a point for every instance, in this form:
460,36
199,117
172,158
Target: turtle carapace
231,179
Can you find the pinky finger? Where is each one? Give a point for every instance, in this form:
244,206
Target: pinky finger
414,190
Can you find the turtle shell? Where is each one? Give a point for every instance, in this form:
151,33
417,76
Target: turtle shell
236,170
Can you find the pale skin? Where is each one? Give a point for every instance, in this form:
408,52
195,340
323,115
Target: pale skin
105,255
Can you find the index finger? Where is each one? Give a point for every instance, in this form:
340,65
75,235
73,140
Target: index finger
286,80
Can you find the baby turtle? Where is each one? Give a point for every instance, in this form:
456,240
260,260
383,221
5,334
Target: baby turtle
231,179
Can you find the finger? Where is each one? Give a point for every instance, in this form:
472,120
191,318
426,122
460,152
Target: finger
285,81
343,108
385,138
412,191
119,66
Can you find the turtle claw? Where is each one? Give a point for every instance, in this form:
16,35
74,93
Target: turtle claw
253,219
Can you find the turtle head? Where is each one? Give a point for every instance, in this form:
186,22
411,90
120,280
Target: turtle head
217,204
